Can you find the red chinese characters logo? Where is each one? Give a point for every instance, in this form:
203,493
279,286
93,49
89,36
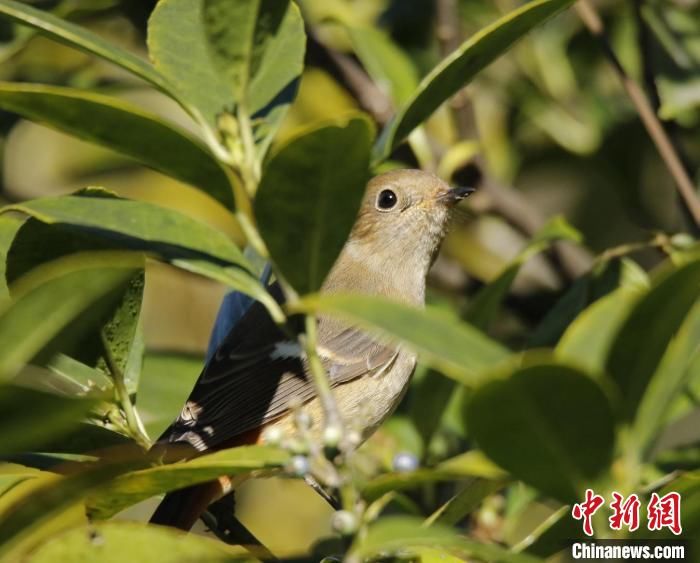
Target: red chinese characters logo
586,509
662,512
665,512
625,512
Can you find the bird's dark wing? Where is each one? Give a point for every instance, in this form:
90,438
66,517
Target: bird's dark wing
258,369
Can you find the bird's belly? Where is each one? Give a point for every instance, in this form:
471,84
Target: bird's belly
366,402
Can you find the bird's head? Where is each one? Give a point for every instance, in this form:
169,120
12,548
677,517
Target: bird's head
404,213
401,222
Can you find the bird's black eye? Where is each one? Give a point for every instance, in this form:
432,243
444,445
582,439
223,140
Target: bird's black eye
386,200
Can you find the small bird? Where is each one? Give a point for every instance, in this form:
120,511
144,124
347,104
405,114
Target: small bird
258,371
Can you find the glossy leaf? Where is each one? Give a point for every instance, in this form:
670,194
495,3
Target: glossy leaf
258,46
647,331
122,127
547,424
8,228
667,382
37,511
66,288
469,465
178,48
166,383
81,38
443,342
586,290
465,501
396,533
309,198
131,488
116,542
119,329
587,340
458,68
19,408
135,224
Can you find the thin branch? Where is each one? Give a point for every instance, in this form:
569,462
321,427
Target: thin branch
309,341
351,75
646,112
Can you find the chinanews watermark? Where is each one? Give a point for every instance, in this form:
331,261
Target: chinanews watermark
631,514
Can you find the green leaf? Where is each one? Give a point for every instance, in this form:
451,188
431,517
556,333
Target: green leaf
122,127
8,229
385,62
647,332
258,46
12,474
465,501
18,415
178,48
484,308
587,289
36,243
36,512
548,424
87,438
457,69
309,198
166,383
135,224
131,488
429,395
587,341
396,533
668,381
688,486
443,342
82,39
116,542
65,288
469,465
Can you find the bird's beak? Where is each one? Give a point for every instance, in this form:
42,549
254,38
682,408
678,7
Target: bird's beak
457,194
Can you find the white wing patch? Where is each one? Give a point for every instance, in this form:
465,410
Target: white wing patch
285,350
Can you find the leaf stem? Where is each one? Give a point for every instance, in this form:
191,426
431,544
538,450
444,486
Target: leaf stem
133,420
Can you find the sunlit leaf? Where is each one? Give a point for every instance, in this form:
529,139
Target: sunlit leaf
135,224
455,348
586,290
116,542
81,38
166,382
258,46
309,197
588,338
122,127
647,331
65,288
458,68
19,409
668,381
547,424
393,534
38,511
130,488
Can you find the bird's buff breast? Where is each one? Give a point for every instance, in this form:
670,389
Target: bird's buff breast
365,402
